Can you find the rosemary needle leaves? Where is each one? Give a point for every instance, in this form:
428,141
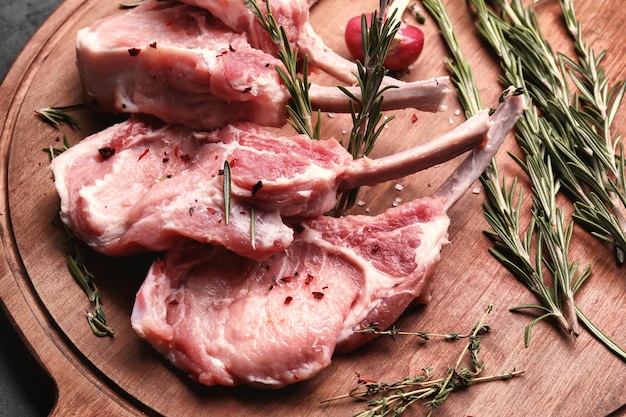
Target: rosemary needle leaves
366,112
550,144
55,151
55,116
299,108
395,398
586,157
96,318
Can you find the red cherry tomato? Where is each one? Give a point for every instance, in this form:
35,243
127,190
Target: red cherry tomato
405,48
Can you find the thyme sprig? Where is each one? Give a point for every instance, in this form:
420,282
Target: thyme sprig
396,398
55,116
393,331
366,112
299,108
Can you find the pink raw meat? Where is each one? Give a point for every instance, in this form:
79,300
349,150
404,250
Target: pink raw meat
228,320
294,17
143,185
180,64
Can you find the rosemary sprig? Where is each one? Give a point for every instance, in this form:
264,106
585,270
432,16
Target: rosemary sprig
588,159
299,108
132,5
396,398
76,264
366,112
97,318
527,59
226,188
512,246
547,226
602,213
55,116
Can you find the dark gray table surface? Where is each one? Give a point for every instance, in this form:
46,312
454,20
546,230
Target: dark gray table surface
24,389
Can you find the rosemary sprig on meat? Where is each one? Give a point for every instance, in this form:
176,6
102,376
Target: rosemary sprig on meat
227,191
96,318
367,117
396,398
366,112
299,108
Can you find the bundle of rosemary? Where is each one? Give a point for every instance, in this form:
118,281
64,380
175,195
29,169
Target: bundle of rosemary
569,145
550,144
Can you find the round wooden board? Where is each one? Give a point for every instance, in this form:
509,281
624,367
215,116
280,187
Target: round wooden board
124,376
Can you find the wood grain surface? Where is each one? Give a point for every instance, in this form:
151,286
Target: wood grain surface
125,376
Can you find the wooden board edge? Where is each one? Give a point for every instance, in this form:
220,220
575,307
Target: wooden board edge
79,387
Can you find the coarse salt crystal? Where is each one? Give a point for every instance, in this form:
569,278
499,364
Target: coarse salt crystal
399,187
360,203
332,115
457,112
476,190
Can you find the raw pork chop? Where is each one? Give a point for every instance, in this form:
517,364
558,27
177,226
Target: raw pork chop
293,16
228,320
141,185
180,64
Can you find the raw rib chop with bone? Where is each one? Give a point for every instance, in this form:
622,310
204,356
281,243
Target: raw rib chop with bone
180,64
143,185
294,17
229,320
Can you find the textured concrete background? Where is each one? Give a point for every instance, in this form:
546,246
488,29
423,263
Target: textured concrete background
18,21
24,391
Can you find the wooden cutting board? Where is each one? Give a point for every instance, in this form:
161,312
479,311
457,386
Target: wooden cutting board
124,376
